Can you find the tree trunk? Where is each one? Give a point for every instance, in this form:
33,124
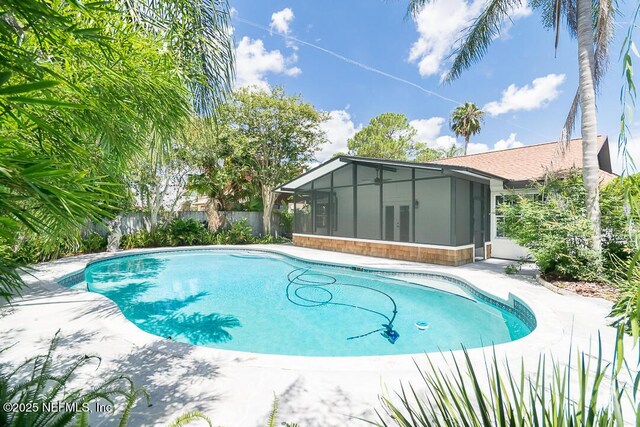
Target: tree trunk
268,199
590,166
214,218
466,144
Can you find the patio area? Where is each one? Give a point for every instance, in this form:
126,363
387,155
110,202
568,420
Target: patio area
237,388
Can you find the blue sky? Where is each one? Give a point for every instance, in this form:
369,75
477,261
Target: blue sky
525,86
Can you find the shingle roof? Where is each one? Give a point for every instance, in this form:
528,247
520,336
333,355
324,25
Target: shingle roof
528,163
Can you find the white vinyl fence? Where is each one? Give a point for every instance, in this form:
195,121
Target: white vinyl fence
132,222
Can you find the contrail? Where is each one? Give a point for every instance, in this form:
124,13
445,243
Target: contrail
351,61
377,71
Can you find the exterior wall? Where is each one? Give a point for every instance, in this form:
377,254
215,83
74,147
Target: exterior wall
404,251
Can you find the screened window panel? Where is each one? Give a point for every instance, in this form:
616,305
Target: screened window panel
433,211
367,174
322,182
321,211
343,176
302,206
395,173
343,212
463,212
368,211
427,173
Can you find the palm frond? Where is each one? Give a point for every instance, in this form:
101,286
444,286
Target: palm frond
479,36
44,385
273,415
199,33
604,18
189,417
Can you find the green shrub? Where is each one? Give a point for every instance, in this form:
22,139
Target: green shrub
286,222
239,233
555,229
177,232
33,248
93,242
268,239
140,239
512,268
185,232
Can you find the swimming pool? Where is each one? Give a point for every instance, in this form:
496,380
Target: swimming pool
263,302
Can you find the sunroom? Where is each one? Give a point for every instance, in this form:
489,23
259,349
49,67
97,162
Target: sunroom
403,210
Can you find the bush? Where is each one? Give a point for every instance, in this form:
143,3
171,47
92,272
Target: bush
555,229
34,248
185,232
240,232
177,232
286,223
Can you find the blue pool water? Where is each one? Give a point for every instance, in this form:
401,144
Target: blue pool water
267,303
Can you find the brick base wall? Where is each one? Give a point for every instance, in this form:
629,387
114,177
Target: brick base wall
406,252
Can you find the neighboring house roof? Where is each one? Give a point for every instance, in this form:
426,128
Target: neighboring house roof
533,162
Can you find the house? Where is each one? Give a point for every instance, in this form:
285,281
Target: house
441,212
518,168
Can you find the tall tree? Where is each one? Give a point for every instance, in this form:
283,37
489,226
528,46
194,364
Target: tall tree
387,136
591,22
220,169
277,133
158,180
466,120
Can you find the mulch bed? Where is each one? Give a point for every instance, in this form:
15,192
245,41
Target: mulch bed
587,289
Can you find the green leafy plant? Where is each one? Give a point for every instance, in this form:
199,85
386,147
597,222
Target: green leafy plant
273,415
185,232
189,417
38,383
286,222
240,232
626,310
512,268
555,229
496,395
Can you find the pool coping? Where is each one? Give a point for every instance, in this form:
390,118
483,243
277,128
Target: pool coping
546,335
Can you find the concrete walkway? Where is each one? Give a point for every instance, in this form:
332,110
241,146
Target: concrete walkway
236,388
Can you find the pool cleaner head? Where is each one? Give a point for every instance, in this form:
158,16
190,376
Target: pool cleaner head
391,335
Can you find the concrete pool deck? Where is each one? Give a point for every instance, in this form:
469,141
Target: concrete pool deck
237,388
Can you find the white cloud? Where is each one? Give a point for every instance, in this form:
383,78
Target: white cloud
428,132
280,20
510,142
254,62
339,129
440,25
529,97
521,11
475,148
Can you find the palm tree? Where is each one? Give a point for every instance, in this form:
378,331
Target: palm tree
594,37
466,120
